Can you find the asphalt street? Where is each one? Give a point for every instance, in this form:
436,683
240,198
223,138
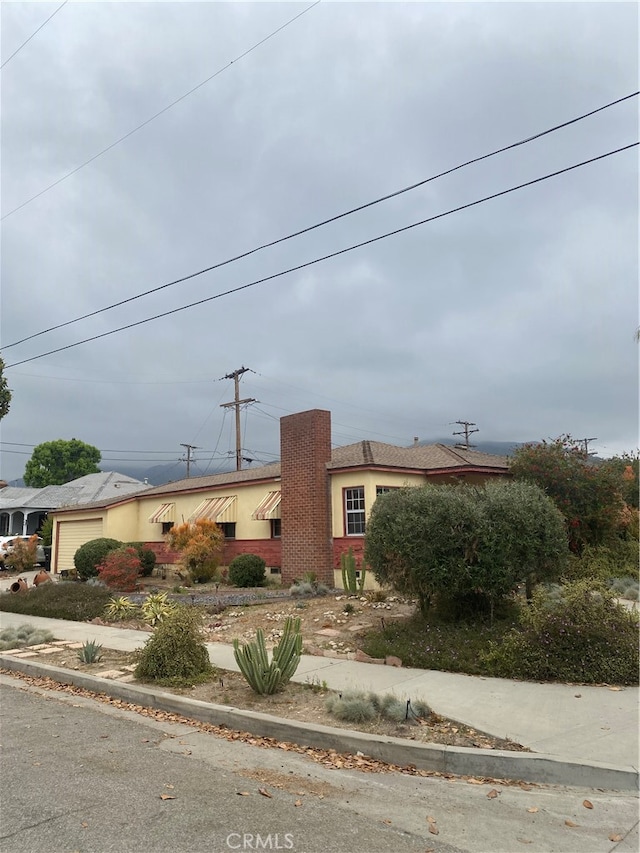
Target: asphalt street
80,776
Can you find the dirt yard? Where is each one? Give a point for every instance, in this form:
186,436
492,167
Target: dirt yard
331,623
304,702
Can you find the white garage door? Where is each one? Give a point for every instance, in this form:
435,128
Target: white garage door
73,534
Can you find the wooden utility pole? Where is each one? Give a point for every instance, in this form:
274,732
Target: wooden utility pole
188,460
585,443
466,432
237,402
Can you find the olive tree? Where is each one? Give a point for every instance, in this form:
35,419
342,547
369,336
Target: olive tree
462,541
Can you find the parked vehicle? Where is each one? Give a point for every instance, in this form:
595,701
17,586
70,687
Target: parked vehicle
7,544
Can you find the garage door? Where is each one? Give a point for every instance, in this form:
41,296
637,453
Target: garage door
73,534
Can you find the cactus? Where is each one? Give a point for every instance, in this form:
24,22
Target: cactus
263,677
350,581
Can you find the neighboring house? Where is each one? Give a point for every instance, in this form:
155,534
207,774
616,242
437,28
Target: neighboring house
22,510
299,514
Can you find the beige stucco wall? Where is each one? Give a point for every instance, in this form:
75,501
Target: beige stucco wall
370,480
248,497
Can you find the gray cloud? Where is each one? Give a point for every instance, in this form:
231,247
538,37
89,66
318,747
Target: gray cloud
518,314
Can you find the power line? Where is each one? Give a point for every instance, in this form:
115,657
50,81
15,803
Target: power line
324,222
329,256
118,381
17,50
160,112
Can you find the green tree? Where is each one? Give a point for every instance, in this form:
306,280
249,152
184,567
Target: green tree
461,542
56,462
587,494
5,393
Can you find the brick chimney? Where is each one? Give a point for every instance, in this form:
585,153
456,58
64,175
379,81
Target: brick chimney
305,449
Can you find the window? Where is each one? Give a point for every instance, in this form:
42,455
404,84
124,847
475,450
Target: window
166,527
382,490
276,528
354,511
228,528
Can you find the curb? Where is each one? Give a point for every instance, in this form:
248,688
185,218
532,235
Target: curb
459,761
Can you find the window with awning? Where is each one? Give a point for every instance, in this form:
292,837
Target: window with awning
164,513
221,510
268,508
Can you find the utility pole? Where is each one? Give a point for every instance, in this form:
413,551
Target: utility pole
237,402
466,432
188,460
585,443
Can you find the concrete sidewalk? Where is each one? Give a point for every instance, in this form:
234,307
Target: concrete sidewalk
576,722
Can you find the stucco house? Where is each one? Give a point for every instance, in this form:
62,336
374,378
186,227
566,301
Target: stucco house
23,509
299,514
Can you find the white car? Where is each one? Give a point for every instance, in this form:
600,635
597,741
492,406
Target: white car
7,544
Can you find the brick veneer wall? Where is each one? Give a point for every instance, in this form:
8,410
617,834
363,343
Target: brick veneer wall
305,450
269,549
341,546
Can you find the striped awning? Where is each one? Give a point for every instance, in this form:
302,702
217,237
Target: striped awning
269,507
165,512
215,509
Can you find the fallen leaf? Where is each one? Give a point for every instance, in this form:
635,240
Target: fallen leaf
524,840
145,740
587,804
492,794
433,829
431,820
615,837
473,781
570,823
167,797
578,695
533,809
36,763
84,824
387,821
299,803
264,792
103,736
615,688
169,786
243,793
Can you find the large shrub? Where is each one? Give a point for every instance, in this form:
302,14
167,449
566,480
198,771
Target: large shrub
23,555
523,538
463,542
120,569
200,546
620,559
588,495
89,556
247,570
146,556
176,654
575,633
63,600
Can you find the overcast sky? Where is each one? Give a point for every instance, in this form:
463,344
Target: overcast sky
518,314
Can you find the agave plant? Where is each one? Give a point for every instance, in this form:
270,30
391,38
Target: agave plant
156,607
91,652
121,608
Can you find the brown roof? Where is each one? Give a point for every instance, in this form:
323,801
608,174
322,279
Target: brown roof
372,454
422,457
